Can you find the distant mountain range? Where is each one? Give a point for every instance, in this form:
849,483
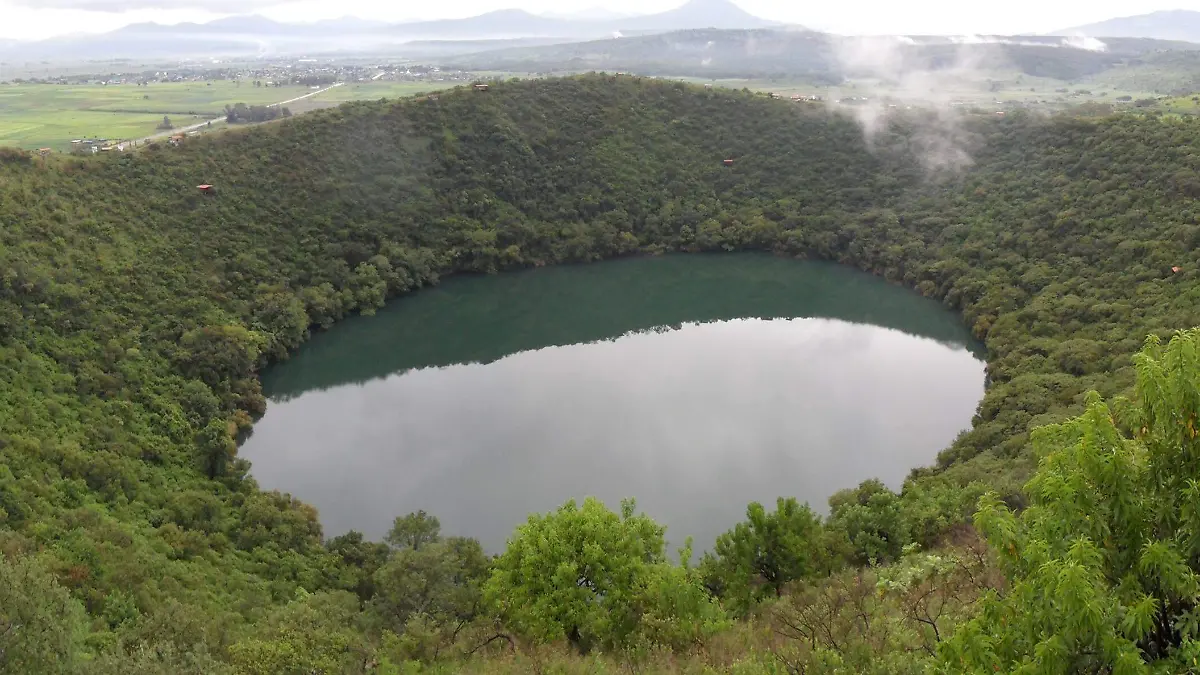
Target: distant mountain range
583,39
821,58
696,14
257,35
513,23
716,53
1179,24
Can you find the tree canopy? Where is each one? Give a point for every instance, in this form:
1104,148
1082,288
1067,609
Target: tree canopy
576,573
1103,563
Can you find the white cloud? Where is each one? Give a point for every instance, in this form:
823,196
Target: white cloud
1089,43
125,6
26,23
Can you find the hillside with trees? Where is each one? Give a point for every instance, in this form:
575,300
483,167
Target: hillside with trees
137,310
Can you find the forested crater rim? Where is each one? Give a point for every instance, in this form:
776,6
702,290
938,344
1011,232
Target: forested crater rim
137,313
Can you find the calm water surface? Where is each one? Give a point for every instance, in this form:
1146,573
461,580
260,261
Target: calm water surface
694,383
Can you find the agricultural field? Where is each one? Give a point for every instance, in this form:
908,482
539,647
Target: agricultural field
44,115
55,128
1183,105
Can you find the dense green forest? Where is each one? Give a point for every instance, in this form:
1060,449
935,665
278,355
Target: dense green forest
135,312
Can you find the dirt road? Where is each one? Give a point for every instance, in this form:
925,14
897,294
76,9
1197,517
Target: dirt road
221,120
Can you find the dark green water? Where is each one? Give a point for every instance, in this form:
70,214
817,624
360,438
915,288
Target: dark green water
694,383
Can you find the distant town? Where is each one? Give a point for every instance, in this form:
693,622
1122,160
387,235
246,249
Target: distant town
279,73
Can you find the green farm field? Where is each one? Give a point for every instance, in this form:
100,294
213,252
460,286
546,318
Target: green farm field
39,115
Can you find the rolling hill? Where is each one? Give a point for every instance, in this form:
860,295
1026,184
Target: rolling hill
817,57
1176,24
717,53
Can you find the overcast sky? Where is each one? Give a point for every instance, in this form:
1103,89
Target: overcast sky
34,19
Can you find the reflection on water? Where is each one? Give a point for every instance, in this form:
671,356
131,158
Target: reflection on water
482,319
694,422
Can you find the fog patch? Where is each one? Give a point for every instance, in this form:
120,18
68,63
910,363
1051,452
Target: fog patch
1079,41
939,138
1090,44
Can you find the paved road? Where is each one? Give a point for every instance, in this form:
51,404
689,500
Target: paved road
221,120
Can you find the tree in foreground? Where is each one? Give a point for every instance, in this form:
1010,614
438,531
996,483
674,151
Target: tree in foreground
429,589
871,517
767,551
1104,565
440,581
597,579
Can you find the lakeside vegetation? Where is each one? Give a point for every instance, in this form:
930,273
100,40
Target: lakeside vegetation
135,312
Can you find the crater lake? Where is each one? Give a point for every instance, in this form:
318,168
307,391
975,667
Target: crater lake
693,383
